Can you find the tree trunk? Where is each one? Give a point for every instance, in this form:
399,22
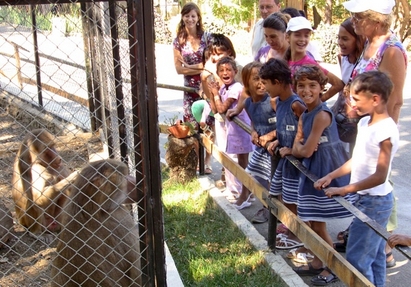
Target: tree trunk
402,20
328,12
182,158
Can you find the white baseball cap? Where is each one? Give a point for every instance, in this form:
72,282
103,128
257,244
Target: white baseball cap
380,6
298,23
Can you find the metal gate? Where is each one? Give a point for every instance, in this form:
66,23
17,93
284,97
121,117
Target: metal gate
85,72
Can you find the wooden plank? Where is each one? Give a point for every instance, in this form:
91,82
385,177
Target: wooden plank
341,267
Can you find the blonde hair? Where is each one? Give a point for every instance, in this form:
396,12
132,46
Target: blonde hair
384,19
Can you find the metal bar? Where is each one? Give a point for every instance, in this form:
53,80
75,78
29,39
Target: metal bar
118,84
36,55
87,60
380,230
355,211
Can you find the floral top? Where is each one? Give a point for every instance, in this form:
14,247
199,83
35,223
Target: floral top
192,57
374,62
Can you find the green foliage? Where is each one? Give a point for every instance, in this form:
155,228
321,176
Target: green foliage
233,12
327,40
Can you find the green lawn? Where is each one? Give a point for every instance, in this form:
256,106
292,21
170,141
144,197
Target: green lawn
208,249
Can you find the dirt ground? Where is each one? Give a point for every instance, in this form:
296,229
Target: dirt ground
25,261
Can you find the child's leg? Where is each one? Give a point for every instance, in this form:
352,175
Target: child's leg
365,248
243,160
232,183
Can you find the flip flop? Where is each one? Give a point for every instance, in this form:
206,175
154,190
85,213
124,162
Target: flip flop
321,280
286,243
208,169
310,271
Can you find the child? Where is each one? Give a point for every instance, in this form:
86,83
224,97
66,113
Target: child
263,122
230,137
351,46
298,34
204,110
318,144
276,77
376,143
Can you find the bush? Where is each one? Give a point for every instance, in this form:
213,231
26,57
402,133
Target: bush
327,39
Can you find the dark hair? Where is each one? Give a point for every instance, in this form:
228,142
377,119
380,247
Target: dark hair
374,82
276,69
292,12
311,72
181,31
277,21
246,74
219,41
359,40
227,60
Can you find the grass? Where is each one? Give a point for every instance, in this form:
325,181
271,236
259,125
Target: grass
209,250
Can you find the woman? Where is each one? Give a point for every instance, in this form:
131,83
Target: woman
189,48
274,26
384,52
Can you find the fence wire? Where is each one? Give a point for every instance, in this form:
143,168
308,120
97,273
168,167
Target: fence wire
80,183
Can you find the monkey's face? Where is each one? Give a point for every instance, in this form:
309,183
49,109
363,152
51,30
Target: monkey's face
51,157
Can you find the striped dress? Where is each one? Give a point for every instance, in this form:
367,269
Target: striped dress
263,118
286,176
313,205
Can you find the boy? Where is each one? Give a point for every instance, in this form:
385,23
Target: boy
376,143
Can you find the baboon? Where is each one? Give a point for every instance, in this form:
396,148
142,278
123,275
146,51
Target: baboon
39,184
99,241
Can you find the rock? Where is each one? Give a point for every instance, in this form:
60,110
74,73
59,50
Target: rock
6,225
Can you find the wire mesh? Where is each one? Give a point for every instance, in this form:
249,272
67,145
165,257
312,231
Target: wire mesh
74,146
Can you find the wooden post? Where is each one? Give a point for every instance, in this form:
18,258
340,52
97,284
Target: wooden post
18,65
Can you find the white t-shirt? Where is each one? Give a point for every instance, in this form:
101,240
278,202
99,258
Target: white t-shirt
367,150
258,40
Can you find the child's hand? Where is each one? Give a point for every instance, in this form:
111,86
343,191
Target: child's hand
254,138
213,86
331,191
231,113
396,239
285,151
322,182
272,146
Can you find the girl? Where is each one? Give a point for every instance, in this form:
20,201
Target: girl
276,76
318,144
298,35
351,46
263,122
204,110
231,138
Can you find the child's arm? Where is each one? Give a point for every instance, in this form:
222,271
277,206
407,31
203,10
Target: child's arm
336,86
326,180
240,106
265,139
222,107
298,108
377,178
321,121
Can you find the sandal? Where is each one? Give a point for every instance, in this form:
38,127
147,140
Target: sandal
321,280
284,242
208,169
392,262
300,257
310,271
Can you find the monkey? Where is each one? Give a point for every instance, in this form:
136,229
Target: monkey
99,241
39,184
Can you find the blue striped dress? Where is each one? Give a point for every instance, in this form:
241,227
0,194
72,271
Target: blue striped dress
286,177
313,205
263,119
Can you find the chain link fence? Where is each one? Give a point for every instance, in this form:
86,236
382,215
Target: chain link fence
81,182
